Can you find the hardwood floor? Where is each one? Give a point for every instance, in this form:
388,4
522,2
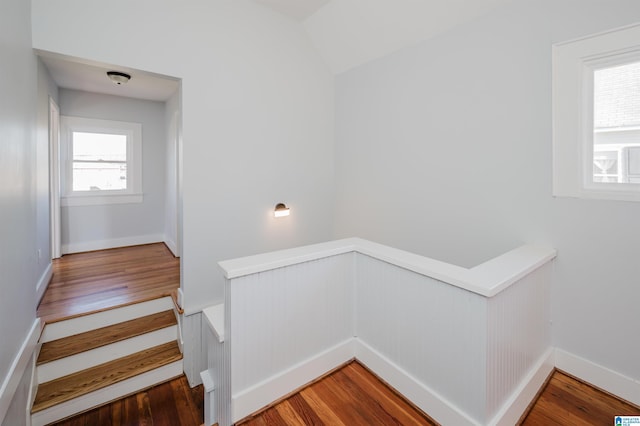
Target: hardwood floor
348,396
567,401
172,403
99,280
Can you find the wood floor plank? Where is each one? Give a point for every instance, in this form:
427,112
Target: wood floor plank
94,281
146,407
321,409
93,339
83,382
289,414
566,400
395,404
343,398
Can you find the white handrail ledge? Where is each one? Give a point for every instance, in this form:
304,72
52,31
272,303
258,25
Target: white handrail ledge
486,279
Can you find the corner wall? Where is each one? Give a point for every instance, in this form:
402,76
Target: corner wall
444,149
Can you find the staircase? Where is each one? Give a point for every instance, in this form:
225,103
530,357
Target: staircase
88,361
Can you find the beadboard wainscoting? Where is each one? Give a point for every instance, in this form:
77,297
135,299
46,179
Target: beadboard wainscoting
465,345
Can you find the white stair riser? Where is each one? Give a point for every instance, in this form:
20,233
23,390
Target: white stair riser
108,394
58,330
71,364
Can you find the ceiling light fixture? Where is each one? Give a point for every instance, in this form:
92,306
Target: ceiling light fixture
118,77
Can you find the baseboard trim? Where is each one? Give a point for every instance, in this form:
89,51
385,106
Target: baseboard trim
515,406
262,394
172,246
608,380
18,368
44,280
438,408
111,243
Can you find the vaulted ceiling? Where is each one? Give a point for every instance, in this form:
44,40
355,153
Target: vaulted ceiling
347,33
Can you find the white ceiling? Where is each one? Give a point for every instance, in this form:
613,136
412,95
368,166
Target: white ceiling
347,33
69,73
297,9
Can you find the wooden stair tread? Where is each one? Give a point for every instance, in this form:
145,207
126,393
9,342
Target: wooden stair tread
83,342
98,377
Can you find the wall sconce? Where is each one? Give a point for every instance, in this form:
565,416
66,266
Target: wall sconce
281,210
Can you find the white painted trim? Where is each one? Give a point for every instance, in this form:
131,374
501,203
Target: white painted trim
43,282
599,376
264,393
81,324
54,178
214,315
429,401
103,354
100,199
18,368
172,246
515,406
112,243
109,393
486,279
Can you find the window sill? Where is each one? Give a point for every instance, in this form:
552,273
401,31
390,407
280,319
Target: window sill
101,199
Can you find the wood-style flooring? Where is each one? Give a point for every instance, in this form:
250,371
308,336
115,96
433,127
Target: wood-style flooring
172,403
348,396
100,280
567,401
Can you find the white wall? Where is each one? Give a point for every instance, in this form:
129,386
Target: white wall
257,117
444,149
83,227
18,195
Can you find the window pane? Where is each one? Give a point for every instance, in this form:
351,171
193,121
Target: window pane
99,161
616,121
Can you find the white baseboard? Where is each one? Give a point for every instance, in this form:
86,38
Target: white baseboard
441,410
111,243
172,246
43,282
517,403
599,376
262,394
18,368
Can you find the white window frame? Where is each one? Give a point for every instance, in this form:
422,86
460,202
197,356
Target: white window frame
133,132
574,63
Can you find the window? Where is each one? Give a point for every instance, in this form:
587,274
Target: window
596,116
102,162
